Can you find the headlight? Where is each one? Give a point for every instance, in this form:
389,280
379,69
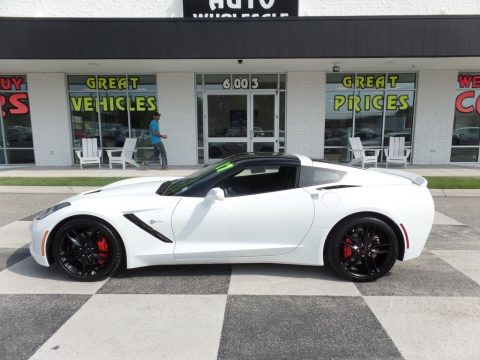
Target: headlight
51,210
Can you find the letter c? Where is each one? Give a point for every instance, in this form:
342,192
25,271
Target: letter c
459,102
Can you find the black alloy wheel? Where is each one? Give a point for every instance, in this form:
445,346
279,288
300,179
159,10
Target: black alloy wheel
87,250
362,249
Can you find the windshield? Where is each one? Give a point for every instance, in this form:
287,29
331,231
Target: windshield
177,187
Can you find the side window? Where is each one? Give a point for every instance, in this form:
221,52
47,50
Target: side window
259,179
310,176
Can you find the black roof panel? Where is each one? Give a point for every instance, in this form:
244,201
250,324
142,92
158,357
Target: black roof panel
263,156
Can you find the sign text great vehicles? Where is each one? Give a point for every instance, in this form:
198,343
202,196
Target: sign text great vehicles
106,101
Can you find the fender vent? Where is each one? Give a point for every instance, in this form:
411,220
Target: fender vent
337,187
134,219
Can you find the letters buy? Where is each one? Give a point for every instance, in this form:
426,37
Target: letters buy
13,103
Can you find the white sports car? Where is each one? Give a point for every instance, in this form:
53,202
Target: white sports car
248,208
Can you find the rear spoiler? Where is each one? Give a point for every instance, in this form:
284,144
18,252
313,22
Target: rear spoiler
416,179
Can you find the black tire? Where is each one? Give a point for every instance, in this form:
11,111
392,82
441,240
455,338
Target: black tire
361,249
87,249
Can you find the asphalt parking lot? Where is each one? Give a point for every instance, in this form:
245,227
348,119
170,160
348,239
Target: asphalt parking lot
427,308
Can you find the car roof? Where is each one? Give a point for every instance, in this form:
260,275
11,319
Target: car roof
273,158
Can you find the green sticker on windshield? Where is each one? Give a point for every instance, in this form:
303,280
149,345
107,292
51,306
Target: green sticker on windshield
223,167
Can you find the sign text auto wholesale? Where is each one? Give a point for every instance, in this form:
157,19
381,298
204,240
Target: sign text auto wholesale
238,9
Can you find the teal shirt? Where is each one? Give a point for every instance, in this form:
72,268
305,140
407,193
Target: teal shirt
154,127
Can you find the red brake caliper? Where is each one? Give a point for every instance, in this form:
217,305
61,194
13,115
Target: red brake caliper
347,251
102,250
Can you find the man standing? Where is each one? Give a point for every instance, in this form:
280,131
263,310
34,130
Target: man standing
156,139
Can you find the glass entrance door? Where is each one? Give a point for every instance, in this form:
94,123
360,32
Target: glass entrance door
264,135
226,125
239,122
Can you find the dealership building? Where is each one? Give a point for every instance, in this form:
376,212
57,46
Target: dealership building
229,76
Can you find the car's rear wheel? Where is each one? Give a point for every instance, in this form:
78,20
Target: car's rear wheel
87,249
362,249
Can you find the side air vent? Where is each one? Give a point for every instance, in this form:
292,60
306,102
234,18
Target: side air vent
333,187
134,219
93,192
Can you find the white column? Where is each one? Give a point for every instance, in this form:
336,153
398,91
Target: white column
435,109
51,126
176,100
306,113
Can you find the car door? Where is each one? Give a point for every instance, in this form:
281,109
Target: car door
264,214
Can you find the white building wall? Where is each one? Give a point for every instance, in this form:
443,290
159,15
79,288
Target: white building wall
386,7
435,108
174,8
306,113
176,100
92,8
49,113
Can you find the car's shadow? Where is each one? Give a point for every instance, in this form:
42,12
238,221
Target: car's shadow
21,263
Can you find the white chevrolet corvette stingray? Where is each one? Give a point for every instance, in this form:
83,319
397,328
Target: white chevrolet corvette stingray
248,208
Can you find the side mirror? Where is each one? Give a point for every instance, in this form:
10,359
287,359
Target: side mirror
215,194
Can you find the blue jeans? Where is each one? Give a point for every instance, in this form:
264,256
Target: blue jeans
161,153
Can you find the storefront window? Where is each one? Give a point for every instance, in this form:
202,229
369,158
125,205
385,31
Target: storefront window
371,106
466,126
112,108
15,123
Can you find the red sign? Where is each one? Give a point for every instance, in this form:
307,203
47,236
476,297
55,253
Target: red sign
15,103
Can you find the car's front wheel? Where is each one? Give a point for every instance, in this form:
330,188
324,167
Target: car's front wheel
87,249
362,249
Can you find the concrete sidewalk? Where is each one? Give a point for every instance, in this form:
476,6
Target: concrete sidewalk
180,171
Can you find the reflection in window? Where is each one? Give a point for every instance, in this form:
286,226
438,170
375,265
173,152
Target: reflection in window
263,115
220,150
227,115
399,120
142,106
259,179
15,123
339,118
466,125
112,108
310,176
84,116
376,107
369,117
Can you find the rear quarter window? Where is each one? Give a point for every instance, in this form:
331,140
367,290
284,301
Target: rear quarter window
311,176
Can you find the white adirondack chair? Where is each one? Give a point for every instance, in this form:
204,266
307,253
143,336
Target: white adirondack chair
126,154
89,153
396,152
360,155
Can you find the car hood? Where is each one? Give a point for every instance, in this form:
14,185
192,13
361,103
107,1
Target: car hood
126,188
